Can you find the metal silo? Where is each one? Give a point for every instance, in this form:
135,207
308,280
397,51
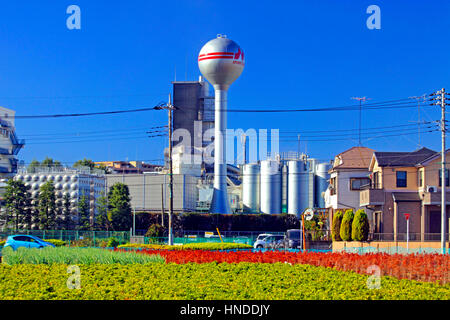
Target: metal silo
322,177
250,188
270,187
296,185
300,185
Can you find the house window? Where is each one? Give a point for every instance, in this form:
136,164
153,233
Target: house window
332,186
401,179
376,180
420,177
446,178
357,183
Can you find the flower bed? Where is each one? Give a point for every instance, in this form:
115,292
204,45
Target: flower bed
190,246
243,281
425,267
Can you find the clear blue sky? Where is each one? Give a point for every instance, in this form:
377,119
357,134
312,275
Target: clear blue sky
298,54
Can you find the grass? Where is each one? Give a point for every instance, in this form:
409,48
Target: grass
65,255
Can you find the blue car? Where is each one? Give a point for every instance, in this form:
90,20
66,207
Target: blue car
26,241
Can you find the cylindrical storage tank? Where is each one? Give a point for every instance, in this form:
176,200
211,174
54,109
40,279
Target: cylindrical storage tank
74,194
250,188
35,186
66,186
74,186
66,178
297,187
58,178
43,178
18,177
322,177
51,178
58,186
74,178
270,184
27,178
35,178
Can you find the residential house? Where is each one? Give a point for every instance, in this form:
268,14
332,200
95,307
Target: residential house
349,172
405,183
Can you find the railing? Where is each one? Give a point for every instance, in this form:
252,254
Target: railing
90,237
413,236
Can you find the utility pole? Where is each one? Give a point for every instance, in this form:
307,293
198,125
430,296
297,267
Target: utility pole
440,98
360,99
169,107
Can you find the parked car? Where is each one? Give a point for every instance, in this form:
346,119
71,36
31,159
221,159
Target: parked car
259,242
274,241
293,239
17,241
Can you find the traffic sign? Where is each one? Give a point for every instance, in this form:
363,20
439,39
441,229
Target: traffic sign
407,216
309,214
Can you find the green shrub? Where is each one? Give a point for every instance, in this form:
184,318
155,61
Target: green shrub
360,226
155,231
346,225
56,242
190,246
113,243
336,226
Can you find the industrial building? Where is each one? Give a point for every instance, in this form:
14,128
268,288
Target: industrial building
150,191
74,182
10,145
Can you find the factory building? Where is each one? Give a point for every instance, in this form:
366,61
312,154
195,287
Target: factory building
74,182
194,115
10,145
150,191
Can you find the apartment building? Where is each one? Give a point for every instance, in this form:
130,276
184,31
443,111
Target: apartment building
405,183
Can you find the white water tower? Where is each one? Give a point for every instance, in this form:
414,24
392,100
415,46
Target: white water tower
221,61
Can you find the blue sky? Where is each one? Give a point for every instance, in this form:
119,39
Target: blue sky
298,54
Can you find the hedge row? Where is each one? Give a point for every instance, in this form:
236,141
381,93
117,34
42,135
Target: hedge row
230,222
349,226
190,246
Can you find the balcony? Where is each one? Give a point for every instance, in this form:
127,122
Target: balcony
371,197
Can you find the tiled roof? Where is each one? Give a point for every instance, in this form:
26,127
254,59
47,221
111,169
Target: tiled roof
403,159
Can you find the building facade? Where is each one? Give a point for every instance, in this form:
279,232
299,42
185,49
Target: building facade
10,145
150,191
74,182
348,174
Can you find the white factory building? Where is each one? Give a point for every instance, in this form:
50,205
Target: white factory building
74,182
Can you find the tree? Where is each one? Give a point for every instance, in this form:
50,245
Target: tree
84,163
17,201
336,226
66,212
33,165
360,226
47,205
119,213
101,219
346,225
49,162
84,222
